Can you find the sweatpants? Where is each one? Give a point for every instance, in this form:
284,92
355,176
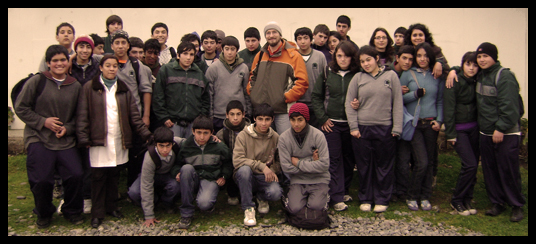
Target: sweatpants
313,196
500,165
375,154
41,163
467,147
340,159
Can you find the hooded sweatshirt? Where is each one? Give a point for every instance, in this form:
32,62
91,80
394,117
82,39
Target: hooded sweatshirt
254,149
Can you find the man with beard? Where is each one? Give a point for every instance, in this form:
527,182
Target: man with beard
278,76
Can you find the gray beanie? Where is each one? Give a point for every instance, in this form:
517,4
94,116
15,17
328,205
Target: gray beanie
272,25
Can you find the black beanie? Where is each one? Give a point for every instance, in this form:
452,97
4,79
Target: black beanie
488,49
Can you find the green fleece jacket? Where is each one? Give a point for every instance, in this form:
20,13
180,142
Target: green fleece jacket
180,94
459,105
498,105
211,161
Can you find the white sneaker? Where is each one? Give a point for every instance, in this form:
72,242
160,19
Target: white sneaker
87,206
233,201
380,208
249,219
365,207
340,206
264,207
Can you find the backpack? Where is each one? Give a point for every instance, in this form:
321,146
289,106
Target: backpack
18,88
154,155
520,99
309,219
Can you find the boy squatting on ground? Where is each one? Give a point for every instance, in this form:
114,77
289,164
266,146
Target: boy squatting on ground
203,167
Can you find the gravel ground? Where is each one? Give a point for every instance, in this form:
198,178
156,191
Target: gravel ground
341,226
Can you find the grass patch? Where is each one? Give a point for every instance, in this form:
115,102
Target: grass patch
22,219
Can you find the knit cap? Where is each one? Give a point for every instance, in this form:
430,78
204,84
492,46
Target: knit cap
120,33
84,38
488,49
272,25
300,108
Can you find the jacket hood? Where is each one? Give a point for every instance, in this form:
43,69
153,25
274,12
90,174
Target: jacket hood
250,130
68,79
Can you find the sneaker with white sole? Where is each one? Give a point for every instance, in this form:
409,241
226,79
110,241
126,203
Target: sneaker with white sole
340,206
460,209
365,207
263,207
425,205
347,198
380,208
249,219
412,205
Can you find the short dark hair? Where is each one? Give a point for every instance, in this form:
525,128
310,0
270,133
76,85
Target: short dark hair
344,20
202,122
370,51
106,57
190,38
162,135
230,41
157,25
335,34
263,110
303,31
401,30
235,104
152,44
62,25
185,47
97,40
113,19
135,42
252,32
429,53
321,28
209,34
406,49
53,50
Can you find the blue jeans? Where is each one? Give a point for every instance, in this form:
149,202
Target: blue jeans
207,192
249,183
165,184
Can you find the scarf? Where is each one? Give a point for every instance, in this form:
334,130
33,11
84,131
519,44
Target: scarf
109,83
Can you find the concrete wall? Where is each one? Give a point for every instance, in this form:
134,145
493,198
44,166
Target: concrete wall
456,31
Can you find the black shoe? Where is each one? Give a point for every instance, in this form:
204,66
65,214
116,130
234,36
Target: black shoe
185,223
495,210
116,214
75,219
467,204
460,209
96,222
43,223
517,214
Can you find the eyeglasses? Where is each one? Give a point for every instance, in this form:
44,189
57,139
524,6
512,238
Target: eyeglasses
380,38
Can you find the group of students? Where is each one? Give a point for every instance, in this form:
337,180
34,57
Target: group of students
320,106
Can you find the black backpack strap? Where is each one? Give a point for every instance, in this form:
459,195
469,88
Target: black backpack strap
154,156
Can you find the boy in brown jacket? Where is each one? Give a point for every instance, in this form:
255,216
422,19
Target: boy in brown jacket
256,169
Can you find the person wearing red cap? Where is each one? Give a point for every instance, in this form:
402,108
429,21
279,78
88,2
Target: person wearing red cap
304,156
85,67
